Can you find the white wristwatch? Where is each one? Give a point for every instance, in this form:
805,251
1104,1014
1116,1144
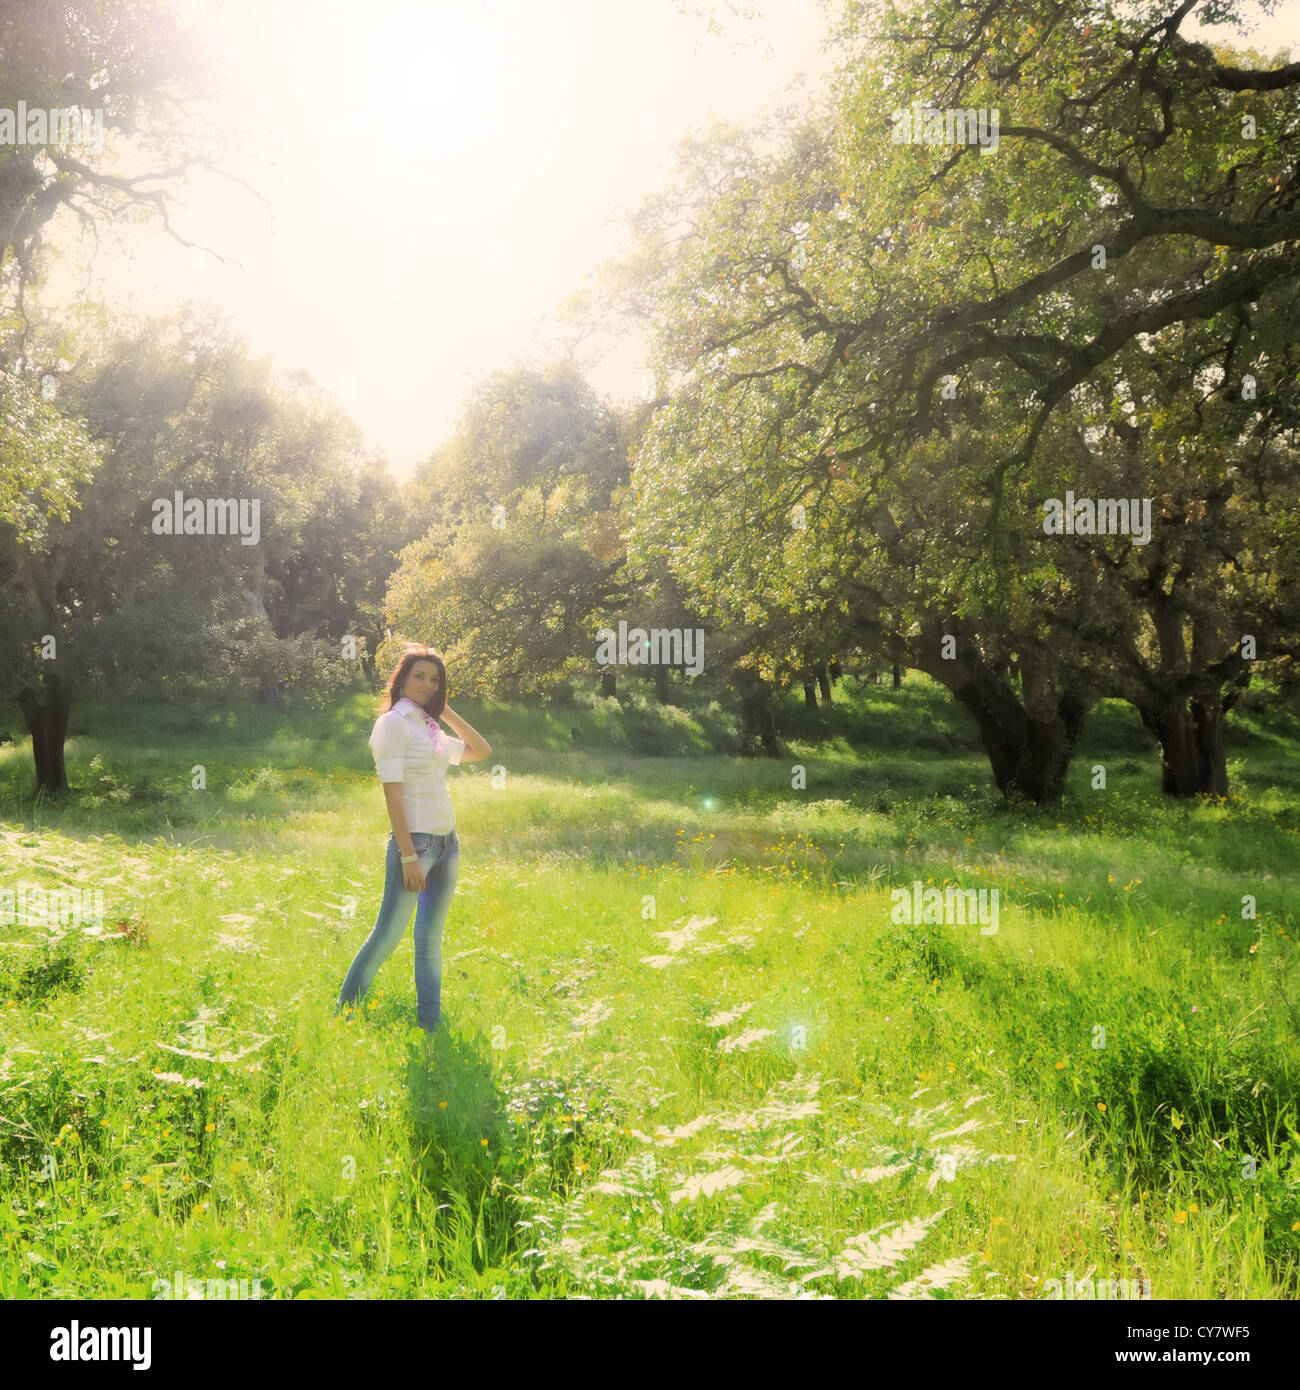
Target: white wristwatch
409,858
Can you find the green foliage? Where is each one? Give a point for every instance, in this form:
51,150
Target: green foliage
54,972
634,721
176,403
43,457
591,1119
889,354
526,561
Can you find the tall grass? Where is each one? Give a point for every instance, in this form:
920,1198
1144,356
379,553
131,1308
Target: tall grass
686,1050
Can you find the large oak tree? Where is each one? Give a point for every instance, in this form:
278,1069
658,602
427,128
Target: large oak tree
911,346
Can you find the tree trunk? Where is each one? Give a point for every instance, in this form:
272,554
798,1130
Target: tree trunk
757,723
824,680
662,693
837,671
1028,734
1029,752
1208,716
1050,748
810,694
1192,755
607,681
47,722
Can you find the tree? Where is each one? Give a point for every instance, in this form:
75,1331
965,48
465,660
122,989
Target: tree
108,597
1180,625
897,342
526,561
127,68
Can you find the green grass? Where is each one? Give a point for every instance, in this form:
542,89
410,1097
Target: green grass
686,1050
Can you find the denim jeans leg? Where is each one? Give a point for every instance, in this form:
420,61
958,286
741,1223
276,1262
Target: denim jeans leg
394,913
430,916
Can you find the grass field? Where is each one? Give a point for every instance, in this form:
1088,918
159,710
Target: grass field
686,1049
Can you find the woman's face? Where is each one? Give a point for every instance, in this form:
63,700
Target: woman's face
423,682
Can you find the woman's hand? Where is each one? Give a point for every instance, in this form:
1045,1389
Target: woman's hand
413,877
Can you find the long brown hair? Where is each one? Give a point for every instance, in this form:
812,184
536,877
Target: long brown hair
397,681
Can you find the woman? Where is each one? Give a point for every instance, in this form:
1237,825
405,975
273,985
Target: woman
412,755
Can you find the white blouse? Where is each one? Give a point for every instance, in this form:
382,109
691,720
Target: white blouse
405,753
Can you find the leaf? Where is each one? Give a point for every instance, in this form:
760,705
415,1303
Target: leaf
708,1184
877,1250
935,1277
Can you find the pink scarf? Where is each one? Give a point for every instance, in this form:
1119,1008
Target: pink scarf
432,728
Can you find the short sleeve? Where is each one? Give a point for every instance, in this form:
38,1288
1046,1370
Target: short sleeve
455,747
388,744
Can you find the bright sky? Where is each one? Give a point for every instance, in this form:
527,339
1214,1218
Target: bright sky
442,174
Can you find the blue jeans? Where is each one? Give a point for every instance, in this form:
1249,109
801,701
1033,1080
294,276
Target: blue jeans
439,857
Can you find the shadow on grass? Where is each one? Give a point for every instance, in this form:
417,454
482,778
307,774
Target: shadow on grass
485,1148
465,1152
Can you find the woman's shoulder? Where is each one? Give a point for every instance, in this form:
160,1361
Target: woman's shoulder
390,718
